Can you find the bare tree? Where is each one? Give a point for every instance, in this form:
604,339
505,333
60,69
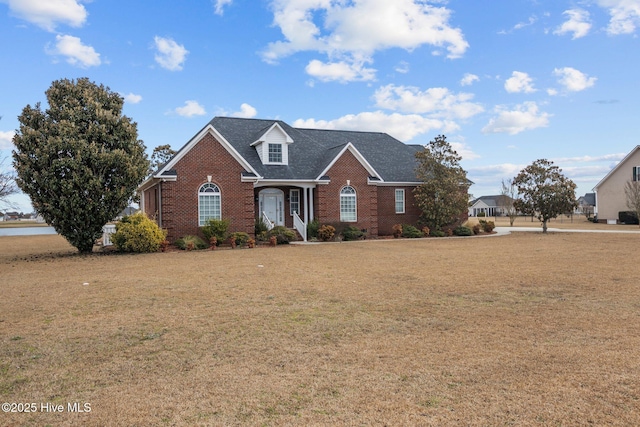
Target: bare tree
8,186
508,194
632,191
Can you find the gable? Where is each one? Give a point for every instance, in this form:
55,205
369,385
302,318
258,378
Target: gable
624,170
273,146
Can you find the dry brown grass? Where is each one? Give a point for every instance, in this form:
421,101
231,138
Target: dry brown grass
519,330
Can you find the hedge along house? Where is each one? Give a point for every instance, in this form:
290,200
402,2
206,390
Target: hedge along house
245,169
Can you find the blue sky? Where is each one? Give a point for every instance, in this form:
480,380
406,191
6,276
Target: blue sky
507,81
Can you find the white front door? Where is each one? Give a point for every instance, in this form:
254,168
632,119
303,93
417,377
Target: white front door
272,202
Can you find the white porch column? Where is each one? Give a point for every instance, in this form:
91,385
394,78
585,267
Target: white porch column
306,207
311,203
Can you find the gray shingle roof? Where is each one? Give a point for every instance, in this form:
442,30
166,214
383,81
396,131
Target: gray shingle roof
314,149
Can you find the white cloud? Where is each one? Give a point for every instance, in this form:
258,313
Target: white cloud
463,149
520,25
519,82
190,109
524,117
351,32
401,126
578,23
170,55
468,79
132,98
625,15
402,67
220,4
6,139
76,53
47,14
339,71
438,102
574,80
583,159
246,111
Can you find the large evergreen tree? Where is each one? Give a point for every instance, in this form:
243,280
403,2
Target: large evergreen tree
443,195
544,191
80,160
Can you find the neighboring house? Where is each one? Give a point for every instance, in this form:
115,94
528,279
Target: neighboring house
245,169
586,204
11,216
489,205
129,210
610,195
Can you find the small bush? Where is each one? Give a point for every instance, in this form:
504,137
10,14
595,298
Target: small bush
476,229
312,229
488,226
282,234
462,231
241,238
352,233
138,233
261,227
397,230
411,232
425,230
437,233
217,228
191,243
326,233
481,214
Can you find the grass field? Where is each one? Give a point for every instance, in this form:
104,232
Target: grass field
519,330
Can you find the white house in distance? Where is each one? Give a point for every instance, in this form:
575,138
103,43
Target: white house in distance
488,206
610,195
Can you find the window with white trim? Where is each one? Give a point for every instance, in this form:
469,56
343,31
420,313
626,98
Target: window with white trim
275,153
348,204
209,203
294,201
399,200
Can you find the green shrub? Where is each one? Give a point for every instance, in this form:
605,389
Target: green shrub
326,233
462,231
487,226
352,233
282,234
217,228
261,227
137,233
191,243
312,229
627,217
437,233
411,232
241,238
481,214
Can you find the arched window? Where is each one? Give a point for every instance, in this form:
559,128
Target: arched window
209,206
348,204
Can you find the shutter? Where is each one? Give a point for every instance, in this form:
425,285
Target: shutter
635,173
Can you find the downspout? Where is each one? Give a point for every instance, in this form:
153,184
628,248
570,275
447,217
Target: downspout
160,203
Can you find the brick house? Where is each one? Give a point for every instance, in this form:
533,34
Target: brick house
243,169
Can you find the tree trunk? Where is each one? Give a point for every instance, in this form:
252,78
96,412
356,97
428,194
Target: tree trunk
544,226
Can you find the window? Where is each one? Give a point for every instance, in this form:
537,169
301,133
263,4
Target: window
294,202
275,153
399,200
348,204
636,173
208,203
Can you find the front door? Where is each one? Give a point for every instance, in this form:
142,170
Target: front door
272,203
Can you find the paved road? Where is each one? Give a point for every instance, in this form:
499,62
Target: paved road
507,230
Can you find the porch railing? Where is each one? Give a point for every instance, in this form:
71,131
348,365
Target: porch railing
107,231
267,221
299,225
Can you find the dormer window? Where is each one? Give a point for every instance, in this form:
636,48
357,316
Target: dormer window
275,153
272,146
